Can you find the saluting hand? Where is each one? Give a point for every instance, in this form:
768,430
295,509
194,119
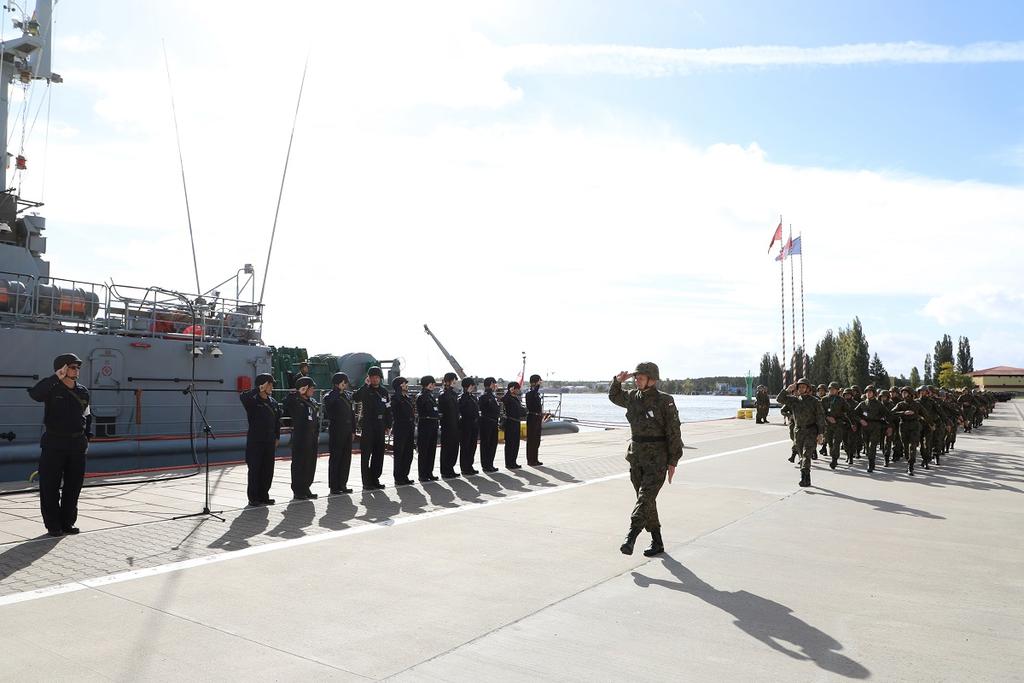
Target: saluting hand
62,372
622,376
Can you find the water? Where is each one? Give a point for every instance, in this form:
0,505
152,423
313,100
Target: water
597,407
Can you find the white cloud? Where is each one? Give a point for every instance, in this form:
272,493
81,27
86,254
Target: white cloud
991,301
78,44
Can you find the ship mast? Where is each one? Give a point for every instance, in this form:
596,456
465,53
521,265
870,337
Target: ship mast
27,57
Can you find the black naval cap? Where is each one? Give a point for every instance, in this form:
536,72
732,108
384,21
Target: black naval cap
397,383
512,385
305,382
534,379
338,377
468,382
450,377
427,380
488,381
375,371
65,359
263,378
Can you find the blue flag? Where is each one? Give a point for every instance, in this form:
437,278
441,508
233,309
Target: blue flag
795,248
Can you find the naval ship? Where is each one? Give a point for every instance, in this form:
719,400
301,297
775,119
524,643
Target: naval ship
146,350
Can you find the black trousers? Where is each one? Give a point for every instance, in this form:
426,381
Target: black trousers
511,442
61,474
426,447
402,444
303,466
488,442
470,433
259,458
340,462
533,426
371,454
449,448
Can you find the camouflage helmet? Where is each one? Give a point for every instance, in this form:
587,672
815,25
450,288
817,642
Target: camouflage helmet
803,380
847,390
906,390
834,385
821,386
871,388
883,392
649,369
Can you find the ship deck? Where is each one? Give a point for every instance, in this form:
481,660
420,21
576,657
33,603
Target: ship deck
517,575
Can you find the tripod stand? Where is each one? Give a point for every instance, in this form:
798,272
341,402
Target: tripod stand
208,431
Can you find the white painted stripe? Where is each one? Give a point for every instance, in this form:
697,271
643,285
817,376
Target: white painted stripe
294,542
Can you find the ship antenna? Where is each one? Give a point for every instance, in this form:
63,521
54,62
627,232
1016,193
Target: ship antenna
181,163
284,175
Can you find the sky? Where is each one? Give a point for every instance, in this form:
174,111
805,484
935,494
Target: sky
592,182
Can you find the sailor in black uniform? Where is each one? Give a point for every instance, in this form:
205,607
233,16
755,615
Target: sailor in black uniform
68,428
405,427
341,427
469,411
534,421
448,405
264,417
514,414
304,412
429,420
490,412
374,424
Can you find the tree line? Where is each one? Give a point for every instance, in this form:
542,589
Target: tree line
844,356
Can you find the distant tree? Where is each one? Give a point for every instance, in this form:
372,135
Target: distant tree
950,378
852,359
915,378
964,359
900,381
797,366
824,352
943,353
877,372
928,369
775,377
765,376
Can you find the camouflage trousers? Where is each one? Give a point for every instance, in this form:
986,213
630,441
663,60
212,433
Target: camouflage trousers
647,471
805,442
835,434
872,435
910,435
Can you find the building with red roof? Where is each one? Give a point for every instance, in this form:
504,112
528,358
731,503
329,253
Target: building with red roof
999,378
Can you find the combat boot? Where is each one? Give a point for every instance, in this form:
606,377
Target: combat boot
627,546
805,478
886,461
835,461
656,547
871,463
937,459
792,458
824,450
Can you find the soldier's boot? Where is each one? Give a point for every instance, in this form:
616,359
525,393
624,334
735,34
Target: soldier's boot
805,478
656,547
835,461
824,450
871,463
627,546
886,461
792,457
937,459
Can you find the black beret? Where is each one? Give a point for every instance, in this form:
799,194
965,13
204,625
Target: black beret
450,377
263,378
65,359
489,381
534,378
339,377
512,385
305,382
375,370
397,383
426,380
468,382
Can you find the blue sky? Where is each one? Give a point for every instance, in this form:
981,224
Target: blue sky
520,157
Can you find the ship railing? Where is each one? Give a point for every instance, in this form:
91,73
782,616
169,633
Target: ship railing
51,303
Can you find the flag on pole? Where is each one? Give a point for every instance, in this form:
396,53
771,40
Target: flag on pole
777,236
787,249
794,247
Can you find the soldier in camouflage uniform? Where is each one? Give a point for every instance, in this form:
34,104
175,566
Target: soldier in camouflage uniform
930,427
884,397
837,421
809,419
967,409
911,416
872,417
762,403
654,450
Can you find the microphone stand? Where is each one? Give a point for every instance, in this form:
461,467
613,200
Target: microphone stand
208,431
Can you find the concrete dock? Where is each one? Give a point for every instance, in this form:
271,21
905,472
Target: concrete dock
517,575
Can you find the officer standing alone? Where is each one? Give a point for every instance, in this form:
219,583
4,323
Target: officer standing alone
264,417
67,420
341,427
490,412
654,451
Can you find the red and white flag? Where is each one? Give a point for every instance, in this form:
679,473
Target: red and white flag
777,236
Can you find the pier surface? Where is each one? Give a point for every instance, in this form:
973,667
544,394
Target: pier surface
517,575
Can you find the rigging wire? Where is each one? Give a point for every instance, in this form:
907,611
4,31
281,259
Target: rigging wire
181,163
284,175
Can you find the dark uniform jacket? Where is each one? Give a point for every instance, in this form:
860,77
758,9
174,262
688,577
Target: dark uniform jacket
404,409
305,418
653,424
489,408
448,405
264,416
339,412
66,413
426,407
375,405
512,407
534,403
469,409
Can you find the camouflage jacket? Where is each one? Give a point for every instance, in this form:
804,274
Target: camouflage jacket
929,411
872,410
836,407
913,406
652,415
807,410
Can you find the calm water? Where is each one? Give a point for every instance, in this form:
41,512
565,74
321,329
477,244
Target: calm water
597,407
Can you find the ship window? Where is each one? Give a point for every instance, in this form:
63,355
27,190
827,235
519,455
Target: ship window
106,427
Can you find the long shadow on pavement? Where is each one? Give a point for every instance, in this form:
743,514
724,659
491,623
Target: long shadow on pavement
250,522
295,518
340,511
877,503
22,555
768,621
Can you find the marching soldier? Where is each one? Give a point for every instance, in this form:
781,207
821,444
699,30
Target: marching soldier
885,398
822,392
469,412
514,414
654,451
448,405
534,421
403,432
809,419
967,409
930,425
490,412
426,429
374,425
342,425
911,415
304,413
264,418
762,403
67,422
850,441
837,421
871,414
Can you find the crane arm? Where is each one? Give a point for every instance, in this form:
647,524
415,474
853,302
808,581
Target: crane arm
449,357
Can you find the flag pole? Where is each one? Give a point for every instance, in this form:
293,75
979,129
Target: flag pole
792,304
782,291
803,325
